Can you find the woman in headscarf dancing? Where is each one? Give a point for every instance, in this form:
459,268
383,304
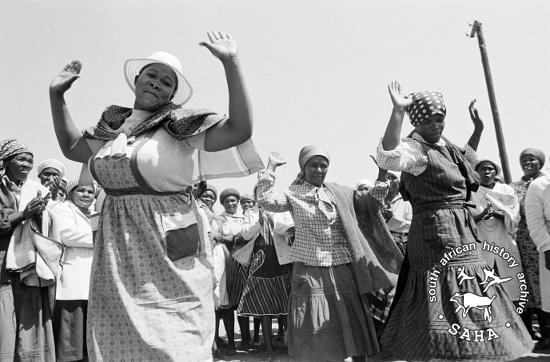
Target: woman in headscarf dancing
441,309
335,261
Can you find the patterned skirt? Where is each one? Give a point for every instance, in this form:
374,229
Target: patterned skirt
447,306
149,298
236,279
267,287
327,319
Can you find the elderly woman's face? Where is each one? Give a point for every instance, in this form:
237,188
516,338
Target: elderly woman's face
154,87
230,204
487,174
83,196
530,165
315,170
208,198
19,166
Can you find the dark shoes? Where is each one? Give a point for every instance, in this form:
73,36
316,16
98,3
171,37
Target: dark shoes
542,345
230,350
244,346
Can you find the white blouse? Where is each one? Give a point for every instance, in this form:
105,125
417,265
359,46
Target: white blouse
72,228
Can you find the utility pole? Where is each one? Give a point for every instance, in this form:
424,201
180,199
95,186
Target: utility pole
476,30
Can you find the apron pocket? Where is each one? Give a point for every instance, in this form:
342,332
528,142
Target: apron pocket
181,234
182,242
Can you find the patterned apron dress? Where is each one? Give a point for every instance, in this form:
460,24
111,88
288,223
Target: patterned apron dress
441,310
151,293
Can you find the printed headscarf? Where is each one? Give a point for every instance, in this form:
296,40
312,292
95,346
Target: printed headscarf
535,152
9,148
306,154
424,105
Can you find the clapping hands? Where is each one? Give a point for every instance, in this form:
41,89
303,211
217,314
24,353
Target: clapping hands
36,205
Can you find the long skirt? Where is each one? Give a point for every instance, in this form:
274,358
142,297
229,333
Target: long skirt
236,278
267,287
220,259
328,320
69,327
444,307
149,298
25,323
530,262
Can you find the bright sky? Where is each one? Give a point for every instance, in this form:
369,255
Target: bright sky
317,70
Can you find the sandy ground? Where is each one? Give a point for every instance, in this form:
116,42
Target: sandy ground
281,354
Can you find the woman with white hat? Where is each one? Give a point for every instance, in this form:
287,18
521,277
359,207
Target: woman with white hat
151,292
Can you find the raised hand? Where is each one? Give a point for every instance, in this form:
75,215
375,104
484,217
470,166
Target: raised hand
221,45
474,115
66,77
399,101
275,160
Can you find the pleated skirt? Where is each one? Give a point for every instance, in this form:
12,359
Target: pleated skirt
328,320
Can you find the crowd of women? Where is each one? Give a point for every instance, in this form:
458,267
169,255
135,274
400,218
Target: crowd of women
130,261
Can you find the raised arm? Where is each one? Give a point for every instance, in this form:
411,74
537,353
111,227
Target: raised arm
269,198
73,146
473,142
238,127
400,104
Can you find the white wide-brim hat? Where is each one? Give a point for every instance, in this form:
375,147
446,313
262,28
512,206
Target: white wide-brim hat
132,67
